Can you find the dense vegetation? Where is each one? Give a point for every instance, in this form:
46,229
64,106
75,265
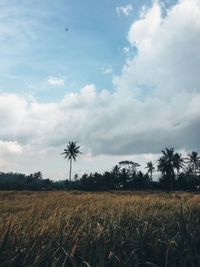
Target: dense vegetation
32,182
173,173
99,229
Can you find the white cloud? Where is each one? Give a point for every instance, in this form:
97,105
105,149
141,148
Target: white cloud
9,152
107,69
168,55
143,31
124,10
10,147
126,50
55,81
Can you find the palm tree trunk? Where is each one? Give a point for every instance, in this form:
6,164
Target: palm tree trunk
172,180
195,171
70,171
171,186
169,174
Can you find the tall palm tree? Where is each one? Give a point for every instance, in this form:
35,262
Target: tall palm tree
71,153
166,165
178,162
193,161
150,167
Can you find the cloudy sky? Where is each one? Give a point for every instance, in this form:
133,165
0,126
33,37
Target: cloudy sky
123,82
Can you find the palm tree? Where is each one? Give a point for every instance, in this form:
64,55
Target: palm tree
150,167
71,153
193,161
166,165
178,162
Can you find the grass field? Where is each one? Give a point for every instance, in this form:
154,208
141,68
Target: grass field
99,229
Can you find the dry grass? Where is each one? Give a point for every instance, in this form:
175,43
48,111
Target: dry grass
101,229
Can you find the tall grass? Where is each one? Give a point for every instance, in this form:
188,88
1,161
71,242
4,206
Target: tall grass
99,230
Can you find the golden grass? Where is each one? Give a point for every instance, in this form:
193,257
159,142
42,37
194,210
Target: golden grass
99,229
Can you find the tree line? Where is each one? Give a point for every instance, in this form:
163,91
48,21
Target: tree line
32,182
171,170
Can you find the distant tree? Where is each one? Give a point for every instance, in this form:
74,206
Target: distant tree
166,166
116,176
129,166
178,162
142,181
150,168
71,153
47,183
116,170
193,161
37,175
124,178
76,177
128,169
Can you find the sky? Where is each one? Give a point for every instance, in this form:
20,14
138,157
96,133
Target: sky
121,78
